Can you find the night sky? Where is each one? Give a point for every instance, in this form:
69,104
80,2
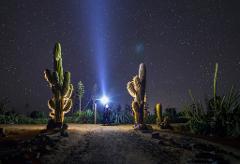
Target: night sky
103,42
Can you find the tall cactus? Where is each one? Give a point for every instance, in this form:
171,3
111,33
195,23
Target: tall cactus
61,87
136,89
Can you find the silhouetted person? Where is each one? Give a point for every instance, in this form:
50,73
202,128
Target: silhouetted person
106,115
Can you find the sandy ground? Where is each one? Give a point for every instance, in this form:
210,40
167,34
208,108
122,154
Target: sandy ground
110,144
122,144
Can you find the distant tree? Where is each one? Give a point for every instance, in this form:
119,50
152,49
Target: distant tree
80,93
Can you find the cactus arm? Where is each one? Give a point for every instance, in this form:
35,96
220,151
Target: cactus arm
52,107
66,83
67,106
131,89
69,93
48,76
52,114
57,61
55,78
51,104
137,83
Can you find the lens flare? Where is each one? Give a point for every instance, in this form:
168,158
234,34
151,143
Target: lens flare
104,100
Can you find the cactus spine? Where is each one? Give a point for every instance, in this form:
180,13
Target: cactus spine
61,87
136,89
159,114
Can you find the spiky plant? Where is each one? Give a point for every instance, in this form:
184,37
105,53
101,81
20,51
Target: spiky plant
61,87
222,115
136,89
197,116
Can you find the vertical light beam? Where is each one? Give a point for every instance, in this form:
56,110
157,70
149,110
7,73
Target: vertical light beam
98,16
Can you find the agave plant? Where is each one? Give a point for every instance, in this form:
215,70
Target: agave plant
222,116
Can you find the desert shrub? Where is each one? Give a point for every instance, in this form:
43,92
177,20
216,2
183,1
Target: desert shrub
83,117
3,119
40,121
197,119
21,119
222,114
9,118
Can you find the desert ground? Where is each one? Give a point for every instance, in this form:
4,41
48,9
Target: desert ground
88,143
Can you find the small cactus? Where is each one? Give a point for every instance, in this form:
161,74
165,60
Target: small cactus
136,89
159,114
61,87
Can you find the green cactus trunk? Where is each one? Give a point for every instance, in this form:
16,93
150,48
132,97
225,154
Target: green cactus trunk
61,86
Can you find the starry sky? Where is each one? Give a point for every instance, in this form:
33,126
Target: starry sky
103,42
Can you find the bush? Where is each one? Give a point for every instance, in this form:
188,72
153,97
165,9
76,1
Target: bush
21,119
121,117
83,117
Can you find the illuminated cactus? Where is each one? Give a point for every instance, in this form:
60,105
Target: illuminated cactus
61,87
136,89
159,114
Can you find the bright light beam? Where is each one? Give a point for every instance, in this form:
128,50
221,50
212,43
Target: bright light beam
98,27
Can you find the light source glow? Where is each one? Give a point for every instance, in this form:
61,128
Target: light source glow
104,100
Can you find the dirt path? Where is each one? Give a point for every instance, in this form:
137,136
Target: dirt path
115,144
109,144
123,145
